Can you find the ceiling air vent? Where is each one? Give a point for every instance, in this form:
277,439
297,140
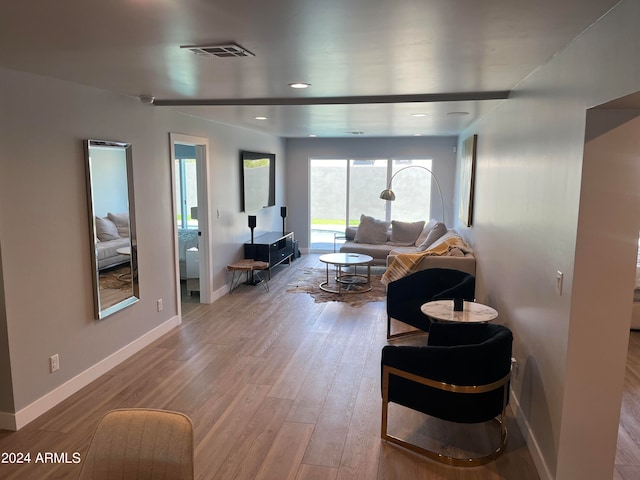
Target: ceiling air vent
222,51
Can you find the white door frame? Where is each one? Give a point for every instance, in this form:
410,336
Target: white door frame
204,225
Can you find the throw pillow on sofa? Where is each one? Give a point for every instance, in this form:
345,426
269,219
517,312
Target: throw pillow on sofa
405,233
437,232
121,221
425,231
106,230
371,230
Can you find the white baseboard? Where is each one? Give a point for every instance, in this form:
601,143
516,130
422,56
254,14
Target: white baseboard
529,438
31,412
219,293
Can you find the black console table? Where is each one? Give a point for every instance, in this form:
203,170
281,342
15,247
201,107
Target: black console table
273,248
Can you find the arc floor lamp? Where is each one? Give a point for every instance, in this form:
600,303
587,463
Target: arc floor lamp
388,194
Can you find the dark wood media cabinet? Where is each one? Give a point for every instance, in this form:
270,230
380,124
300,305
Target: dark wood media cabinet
273,248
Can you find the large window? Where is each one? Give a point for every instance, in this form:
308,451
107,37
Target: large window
343,189
186,193
328,201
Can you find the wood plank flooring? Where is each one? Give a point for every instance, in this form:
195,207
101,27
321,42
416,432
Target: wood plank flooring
628,451
277,386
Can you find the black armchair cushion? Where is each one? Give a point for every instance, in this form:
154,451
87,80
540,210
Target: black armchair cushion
458,354
406,295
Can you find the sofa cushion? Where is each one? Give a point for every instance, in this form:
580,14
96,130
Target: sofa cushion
121,221
350,232
398,250
108,249
405,233
436,233
446,238
106,230
377,251
425,231
371,230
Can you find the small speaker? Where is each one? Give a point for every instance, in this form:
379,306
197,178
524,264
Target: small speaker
252,221
283,212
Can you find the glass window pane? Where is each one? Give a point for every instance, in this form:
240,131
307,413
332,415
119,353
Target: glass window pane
191,187
367,178
327,192
413,191
178,200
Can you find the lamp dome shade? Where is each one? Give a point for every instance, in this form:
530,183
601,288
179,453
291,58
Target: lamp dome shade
388,195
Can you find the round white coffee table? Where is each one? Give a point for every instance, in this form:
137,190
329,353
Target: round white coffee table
347,282
472,312
125,277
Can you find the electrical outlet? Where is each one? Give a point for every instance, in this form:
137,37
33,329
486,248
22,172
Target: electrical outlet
515,367
159,303
54,363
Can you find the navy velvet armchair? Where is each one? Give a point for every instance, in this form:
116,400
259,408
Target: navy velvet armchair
462,376
406,295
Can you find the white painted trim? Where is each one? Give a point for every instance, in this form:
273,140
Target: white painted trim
43,404
204,213
529,438
219,293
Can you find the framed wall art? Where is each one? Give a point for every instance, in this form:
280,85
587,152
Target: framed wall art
467,178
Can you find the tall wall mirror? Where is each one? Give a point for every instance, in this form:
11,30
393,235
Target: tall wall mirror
112,224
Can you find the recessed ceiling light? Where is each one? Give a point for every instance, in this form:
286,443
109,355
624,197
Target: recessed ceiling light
458,113
299,85
312,135
355,133
417,134
419,114
261,118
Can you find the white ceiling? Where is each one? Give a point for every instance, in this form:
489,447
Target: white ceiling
388,54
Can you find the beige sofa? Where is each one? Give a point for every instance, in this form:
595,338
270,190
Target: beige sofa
384,252
112,233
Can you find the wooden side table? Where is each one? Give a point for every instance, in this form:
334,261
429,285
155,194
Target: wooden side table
249,267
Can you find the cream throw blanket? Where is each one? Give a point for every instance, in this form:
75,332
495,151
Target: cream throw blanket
406,263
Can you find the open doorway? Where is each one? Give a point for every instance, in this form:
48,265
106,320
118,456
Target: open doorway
189,180
603,290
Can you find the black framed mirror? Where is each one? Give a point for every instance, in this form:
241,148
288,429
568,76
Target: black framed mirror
112,225
258,173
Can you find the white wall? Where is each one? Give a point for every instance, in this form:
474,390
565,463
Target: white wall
44,223
608,222
300,150
529,197
109,181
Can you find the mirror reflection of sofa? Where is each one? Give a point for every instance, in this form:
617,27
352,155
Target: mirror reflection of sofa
112,233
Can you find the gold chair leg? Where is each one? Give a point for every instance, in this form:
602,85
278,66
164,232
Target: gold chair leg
393,336
438,457
449,460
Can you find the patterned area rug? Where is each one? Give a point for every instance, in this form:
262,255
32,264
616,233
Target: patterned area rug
309,282
109,279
